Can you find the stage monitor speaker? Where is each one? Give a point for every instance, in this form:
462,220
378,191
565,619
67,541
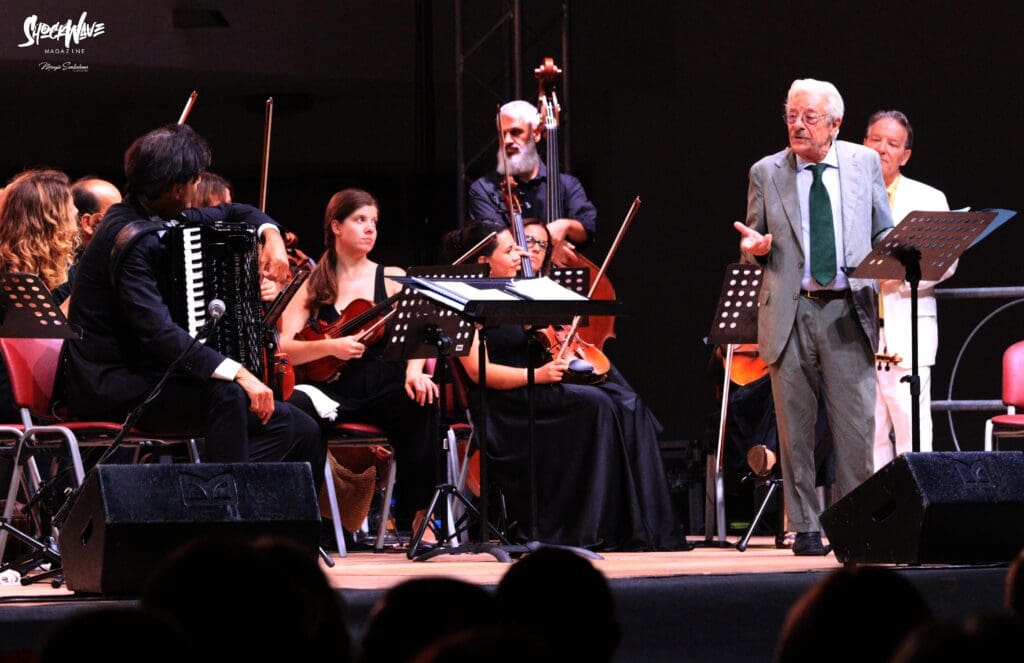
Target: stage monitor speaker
933,508
127,518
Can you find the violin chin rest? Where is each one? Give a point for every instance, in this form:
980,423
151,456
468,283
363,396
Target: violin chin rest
580,367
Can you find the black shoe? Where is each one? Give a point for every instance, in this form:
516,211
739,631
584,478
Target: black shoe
809,544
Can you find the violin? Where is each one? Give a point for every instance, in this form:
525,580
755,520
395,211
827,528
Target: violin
887,361
572,345
600,327
360,317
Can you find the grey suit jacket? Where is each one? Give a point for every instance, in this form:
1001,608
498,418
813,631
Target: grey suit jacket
772,207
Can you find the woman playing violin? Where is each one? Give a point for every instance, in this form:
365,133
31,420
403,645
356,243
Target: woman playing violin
600,478
391,395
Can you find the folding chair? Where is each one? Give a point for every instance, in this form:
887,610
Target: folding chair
352,434
1010,424
32,369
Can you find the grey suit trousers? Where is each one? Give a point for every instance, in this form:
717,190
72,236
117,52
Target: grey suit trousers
826,336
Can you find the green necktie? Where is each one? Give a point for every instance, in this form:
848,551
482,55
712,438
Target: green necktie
823,234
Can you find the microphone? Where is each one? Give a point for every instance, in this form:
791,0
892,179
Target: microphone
215,309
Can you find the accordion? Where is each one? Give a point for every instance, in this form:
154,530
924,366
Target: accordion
218,261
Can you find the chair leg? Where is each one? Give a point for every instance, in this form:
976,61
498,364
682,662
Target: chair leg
988,435
193,450
12,495
332,497
385,510
454,507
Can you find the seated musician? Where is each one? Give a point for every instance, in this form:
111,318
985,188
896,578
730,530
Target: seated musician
38,235
521,130
600,477
392,395
129,338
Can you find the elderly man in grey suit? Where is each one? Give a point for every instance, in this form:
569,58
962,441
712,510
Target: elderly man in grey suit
814,210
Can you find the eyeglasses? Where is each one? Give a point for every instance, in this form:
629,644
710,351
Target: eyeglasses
809,118
532,243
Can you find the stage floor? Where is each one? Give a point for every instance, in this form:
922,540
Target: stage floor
710,603
382,570
379,571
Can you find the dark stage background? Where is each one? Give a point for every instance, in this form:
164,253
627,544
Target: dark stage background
669,100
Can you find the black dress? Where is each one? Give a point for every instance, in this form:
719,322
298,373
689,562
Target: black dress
372,390
601,483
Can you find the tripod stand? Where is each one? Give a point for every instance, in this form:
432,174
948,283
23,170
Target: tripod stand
488,302
446,531
28,311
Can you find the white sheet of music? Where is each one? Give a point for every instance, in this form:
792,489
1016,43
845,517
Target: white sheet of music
472,293
543,289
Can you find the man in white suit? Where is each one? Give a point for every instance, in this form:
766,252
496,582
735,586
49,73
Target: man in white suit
814,210
890,134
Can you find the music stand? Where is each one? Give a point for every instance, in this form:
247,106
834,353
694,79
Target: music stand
922,246
27,310
491,302
423,329
735,322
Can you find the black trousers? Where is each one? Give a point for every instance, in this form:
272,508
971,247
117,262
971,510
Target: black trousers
218,411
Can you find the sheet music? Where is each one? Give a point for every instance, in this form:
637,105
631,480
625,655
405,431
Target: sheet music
466,292
543,289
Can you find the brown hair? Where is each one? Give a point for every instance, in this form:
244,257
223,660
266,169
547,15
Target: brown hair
456,242
212,190
323,289
38,228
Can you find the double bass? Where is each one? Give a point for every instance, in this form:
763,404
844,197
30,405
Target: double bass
600,328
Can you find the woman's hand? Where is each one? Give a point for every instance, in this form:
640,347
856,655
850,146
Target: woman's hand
421,388
551,371
347,347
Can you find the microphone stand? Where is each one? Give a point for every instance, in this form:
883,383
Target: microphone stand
134,415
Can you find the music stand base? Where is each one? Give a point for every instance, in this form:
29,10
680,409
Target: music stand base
534,546
445,492
40,554
773,485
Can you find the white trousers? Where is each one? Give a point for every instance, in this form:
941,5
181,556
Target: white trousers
892,412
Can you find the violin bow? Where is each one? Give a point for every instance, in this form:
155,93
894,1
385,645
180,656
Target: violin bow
188,107
630,215
268,121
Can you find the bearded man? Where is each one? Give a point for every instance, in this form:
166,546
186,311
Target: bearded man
520,131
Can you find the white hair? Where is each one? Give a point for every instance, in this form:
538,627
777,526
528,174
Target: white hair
523,110
833,100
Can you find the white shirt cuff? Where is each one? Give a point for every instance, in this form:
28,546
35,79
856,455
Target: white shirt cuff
259,231
227,370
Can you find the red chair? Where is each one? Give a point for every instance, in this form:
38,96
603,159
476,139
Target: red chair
1010,424
32,369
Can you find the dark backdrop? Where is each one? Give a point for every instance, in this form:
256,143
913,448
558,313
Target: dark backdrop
671,101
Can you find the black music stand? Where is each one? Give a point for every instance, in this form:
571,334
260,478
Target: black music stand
27,310
735,322
922,246
423,329
491,302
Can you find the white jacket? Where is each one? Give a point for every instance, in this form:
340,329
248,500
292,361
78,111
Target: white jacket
912,196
